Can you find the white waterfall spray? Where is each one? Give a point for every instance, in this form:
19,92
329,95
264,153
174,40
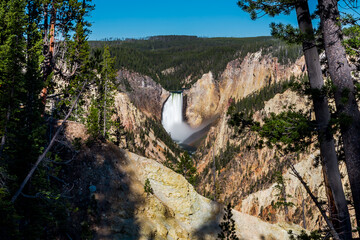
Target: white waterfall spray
172,118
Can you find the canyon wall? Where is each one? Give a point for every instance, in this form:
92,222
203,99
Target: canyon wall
248,179
209,97
111,201
139,134
147,95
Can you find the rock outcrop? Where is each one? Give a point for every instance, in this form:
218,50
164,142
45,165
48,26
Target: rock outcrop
247,179
202,100
209,97
140,136
144,92
111,203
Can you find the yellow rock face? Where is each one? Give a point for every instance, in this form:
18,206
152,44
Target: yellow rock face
203,100
177,211
210,97
174,210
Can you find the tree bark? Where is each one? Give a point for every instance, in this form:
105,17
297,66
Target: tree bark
322,113
346,105
104,131
46,23
48,48
52,28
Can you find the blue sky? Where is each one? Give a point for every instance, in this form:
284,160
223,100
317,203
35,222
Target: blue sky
204,18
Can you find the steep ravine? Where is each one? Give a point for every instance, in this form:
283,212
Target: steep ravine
248,179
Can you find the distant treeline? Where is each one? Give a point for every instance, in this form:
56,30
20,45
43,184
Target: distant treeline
189,57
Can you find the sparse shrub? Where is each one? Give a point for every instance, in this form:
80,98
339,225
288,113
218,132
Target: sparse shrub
186,167
77,143
314,235
228,225
147,187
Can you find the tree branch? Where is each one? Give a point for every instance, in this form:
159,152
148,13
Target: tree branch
42,156
317,203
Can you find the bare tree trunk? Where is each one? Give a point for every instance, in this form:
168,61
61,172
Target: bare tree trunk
52,28
104,134
346,105
322,113
48,48
105,92
45,52
46,23
331,202
42,156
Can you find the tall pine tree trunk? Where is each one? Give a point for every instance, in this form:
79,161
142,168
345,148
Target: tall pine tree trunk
104,130
48,48
105,95
8,113
322,113
346,105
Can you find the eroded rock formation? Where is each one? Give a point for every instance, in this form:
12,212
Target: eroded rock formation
144,92
209,97
111,201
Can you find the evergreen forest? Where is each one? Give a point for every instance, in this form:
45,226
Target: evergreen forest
177,62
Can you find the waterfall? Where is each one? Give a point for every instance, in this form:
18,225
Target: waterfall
172,118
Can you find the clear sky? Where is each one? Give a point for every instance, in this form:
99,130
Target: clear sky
204,18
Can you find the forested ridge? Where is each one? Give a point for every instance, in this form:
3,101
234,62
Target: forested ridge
179,61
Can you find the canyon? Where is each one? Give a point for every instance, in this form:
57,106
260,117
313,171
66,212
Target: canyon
176,209
246,181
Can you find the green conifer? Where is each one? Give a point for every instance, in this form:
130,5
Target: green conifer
227,226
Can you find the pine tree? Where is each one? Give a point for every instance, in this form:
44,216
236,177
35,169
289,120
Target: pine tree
107,85
186,167
104,97
12,60
61,19
22,123
12,89
92,122
282,201
345,94
227,226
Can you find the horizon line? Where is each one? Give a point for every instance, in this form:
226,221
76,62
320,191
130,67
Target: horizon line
165,35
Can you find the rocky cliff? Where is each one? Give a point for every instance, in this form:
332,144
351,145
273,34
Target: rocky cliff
141,134
147,95
247,178
251,170
110,201
209,97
